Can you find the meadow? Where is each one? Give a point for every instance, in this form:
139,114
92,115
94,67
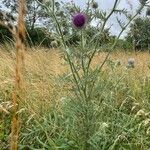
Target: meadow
50,117
85,90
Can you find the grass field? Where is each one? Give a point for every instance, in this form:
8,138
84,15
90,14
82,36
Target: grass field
123,97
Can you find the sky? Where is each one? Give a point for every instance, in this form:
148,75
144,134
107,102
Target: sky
131,5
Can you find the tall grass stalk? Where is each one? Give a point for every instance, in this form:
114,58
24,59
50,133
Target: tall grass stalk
19,37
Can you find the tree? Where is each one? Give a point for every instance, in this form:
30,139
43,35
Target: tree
33,14
139,33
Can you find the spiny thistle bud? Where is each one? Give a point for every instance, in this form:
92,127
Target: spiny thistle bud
57,4
64,32
148,12
72,10
94,5
60,13
143,2
79,20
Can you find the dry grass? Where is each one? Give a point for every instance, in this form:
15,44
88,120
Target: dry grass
42,88
42,67
142,61
43,64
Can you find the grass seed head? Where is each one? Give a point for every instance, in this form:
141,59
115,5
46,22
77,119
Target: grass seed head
140,114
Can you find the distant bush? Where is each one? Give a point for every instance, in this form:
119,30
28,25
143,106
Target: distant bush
5,35
36,37
39,37
139,34
124,44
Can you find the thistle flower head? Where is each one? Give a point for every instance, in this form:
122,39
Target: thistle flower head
79,20
131,62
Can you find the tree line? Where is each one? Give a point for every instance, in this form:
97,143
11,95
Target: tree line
40,30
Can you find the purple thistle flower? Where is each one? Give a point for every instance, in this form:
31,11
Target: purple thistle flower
79,20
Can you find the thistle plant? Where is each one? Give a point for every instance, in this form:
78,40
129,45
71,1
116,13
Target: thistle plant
85,102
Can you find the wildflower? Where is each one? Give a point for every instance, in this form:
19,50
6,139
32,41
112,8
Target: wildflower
131,62
94,5
79,20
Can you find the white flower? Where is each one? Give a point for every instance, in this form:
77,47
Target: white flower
131,62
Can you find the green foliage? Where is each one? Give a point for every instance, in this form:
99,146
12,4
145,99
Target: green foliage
112,124
97,112
124,45
39,37
95,118
5,35
139,33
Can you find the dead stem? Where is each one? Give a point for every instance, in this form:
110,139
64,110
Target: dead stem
19,37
